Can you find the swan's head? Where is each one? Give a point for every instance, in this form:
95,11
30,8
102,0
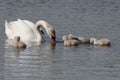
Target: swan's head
52,35
92,40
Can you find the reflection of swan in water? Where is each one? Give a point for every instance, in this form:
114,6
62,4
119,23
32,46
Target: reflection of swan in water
16,52
51,48
101,42
28,62
28,31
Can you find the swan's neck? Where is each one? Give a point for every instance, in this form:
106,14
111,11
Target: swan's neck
50,31
38,35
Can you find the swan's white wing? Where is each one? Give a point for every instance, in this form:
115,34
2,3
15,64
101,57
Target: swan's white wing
8,30
29,23
19,28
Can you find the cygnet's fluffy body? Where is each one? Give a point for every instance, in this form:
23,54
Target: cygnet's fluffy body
101,42
17,43
70,42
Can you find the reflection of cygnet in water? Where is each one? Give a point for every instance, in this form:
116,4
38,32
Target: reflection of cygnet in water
17,43
70,42
101,42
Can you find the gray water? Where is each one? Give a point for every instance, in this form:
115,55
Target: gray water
89,18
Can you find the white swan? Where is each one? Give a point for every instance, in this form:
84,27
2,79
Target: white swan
28,31
101,42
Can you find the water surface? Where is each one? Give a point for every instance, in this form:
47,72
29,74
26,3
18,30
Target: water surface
89,18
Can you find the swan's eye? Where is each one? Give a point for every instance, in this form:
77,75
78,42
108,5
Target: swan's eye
42,31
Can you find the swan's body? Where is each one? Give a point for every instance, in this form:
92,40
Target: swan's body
17,43
101,42
70,42
20,28
27,30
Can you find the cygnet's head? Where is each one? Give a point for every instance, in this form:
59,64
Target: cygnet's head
70,36
64,38
17,38
92,40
